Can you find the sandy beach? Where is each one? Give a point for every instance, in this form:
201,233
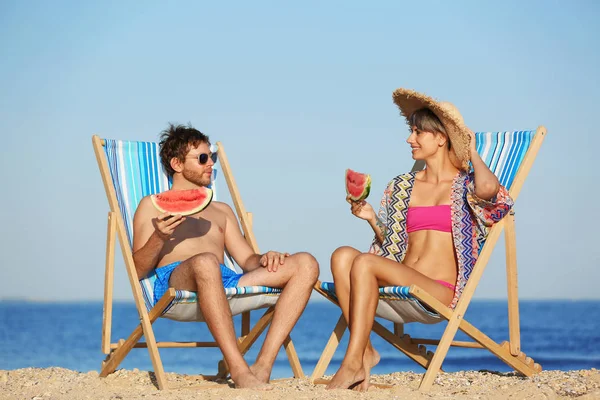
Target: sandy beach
60,383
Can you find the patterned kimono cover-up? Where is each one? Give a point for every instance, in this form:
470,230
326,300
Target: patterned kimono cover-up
472,219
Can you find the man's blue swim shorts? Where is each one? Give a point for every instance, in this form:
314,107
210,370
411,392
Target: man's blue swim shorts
163,274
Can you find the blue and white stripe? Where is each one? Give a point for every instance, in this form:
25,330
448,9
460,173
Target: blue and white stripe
392,294
400,292
503,152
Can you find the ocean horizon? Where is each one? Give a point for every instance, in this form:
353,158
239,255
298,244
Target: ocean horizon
557,334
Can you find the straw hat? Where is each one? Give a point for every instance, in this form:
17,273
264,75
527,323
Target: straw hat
410,101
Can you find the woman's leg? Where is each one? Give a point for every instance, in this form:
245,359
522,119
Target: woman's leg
341,264
368,272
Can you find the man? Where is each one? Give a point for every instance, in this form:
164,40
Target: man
187,253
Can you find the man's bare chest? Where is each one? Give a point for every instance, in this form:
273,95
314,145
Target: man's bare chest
202,227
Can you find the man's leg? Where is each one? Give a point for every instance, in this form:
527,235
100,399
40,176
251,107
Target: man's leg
297,277
202,274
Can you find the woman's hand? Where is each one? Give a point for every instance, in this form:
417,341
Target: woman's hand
472,145
361,209
486,183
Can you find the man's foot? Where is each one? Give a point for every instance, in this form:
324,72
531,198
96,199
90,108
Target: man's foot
261,373
347,377
370,359
247,380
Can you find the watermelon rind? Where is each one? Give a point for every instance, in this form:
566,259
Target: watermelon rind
160,201
366,186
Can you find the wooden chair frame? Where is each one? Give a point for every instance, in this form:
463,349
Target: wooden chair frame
116,352
508,351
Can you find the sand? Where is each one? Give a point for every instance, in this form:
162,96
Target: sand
60,383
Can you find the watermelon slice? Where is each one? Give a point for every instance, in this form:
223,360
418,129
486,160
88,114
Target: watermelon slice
184,202
358,185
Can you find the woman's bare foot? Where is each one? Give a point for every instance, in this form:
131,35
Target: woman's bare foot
347,377
262,374
247,380
370,359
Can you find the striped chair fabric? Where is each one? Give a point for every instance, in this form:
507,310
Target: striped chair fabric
136,172
503,153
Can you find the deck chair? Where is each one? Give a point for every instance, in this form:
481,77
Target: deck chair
510,156
130,171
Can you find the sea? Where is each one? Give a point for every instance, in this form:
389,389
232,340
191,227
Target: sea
557,334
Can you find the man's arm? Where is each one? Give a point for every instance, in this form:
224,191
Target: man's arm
235,243
240,250
149,235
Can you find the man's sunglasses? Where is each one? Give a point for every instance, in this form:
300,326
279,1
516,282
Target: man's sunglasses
203,158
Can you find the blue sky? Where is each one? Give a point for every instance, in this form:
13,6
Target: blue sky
297,93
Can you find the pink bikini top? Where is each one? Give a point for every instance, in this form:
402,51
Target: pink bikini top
437,218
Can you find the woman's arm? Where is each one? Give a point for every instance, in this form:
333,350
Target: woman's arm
378,228
488,200
364,210
486,183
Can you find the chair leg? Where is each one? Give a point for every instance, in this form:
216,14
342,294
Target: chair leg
440,354
520,363
245,323
262,324
510,240
416,352
115,358
398,329
157,364
109,273
327,354
292,356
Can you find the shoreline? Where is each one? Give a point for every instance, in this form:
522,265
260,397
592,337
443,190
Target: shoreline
61,383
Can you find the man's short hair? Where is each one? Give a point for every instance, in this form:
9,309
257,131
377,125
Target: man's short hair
176,141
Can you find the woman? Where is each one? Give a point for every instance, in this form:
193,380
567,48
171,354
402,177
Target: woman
428,230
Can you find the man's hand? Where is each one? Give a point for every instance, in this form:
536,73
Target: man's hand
271,260
166,223
361,209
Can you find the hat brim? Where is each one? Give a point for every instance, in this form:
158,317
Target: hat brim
409,101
